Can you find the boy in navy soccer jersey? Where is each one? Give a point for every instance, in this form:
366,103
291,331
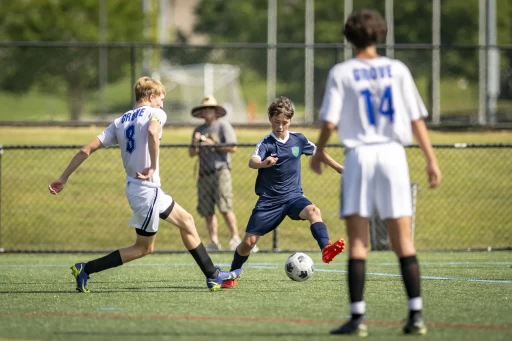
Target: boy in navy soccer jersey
278,185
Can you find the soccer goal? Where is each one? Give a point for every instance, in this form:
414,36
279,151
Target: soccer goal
186,85
379,238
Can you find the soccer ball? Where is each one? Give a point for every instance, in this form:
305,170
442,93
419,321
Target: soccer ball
299,267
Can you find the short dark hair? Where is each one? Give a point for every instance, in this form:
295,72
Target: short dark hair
281,105
364,28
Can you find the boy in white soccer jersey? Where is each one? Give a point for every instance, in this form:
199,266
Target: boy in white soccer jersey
376,107
138,134
279,187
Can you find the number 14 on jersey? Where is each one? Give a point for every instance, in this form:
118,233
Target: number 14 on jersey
385,108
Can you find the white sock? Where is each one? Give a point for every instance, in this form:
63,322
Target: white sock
415,303
358,307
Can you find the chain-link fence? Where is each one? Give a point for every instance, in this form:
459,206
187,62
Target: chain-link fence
470,210
65,82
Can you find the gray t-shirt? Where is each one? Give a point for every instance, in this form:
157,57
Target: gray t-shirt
211,161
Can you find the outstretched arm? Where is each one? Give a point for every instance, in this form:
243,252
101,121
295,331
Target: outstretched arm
58,185
318,158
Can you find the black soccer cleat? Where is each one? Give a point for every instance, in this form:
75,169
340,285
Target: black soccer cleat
352,327
415,327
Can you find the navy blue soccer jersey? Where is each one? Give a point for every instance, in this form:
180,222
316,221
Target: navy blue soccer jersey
282,180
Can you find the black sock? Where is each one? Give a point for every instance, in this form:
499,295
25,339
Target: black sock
109,261
356,276
204,261
358,318
411,275
319,232
238,261
415,315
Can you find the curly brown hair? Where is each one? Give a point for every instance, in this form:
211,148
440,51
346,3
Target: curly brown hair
364,28
281,105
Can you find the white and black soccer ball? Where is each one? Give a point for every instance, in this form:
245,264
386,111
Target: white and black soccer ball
299,267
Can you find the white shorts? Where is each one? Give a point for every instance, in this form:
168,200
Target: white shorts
147,203
376,181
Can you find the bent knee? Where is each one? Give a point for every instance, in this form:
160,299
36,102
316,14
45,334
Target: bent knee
143,250
148,249
248,244
187,223
313,212
358,251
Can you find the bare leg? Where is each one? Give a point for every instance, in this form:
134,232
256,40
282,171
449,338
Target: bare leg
400,235
318,229
180,218
230,219
245,247
185,222
213,227
357,232
143,246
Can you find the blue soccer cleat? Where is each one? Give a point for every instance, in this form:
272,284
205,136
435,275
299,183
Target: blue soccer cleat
223,276
77,270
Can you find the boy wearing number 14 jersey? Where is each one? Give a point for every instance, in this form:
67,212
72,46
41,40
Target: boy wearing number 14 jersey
376,108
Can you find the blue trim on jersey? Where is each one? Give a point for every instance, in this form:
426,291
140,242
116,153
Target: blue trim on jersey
150,212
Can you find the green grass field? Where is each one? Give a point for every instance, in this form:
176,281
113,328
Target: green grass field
470,210
164,297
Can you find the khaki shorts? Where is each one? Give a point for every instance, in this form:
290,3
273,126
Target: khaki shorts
215,189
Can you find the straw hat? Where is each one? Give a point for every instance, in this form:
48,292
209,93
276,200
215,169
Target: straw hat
208,102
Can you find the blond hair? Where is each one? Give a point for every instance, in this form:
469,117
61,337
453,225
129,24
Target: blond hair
145,87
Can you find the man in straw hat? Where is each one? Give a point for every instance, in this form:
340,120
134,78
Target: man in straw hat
214,182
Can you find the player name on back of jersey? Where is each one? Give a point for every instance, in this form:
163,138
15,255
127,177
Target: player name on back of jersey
372,73
132,115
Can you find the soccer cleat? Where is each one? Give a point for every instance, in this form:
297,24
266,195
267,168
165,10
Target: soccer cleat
417,327
77,270
351,327
332,250
223,276
230,284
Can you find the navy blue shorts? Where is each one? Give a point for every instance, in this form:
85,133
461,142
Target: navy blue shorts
267,215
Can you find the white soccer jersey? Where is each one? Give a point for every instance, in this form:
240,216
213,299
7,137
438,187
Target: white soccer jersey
372,101
130,132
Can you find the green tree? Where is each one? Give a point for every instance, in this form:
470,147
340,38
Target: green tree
236,21
70,71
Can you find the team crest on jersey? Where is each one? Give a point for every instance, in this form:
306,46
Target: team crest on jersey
295,151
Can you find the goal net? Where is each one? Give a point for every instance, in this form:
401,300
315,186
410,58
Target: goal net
186,85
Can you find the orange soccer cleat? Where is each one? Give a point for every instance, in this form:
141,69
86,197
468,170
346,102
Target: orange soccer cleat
230,284
332,250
